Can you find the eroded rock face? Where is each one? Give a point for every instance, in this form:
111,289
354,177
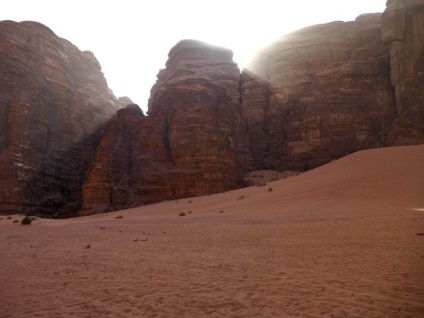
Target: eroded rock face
197,96
328,94
67,144
403,28
108,182
193,142
54,101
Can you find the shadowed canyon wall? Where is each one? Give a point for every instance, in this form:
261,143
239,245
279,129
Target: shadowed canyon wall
403,29
54,101
67,144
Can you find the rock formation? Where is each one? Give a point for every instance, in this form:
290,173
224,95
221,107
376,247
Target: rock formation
403,28
315,95
54,101
107,184
197,97
193,142
67,144
318,94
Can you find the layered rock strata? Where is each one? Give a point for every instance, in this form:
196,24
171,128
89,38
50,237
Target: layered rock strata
318,94
315,95
54,101
197,96
403,29
193,142
108,181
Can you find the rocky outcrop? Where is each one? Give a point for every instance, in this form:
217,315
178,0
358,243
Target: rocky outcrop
197,96
67,144
403,28
108,182
316,95
255,94
327,94
193,142
54,101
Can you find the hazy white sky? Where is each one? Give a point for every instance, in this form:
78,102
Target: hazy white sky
132,38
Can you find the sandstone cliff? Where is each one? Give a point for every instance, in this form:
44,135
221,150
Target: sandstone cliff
54,101
315,95
318,94
197,97
403,28
193,142
107,185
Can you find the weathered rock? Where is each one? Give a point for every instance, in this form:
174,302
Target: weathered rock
108,182
54,101
192,143
255,95
152,162
124,101
403,28
315,95
327,94
197,96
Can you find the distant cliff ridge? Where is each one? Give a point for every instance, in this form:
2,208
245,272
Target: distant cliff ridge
68,146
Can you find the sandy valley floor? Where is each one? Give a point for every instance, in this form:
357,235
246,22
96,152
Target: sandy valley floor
343,240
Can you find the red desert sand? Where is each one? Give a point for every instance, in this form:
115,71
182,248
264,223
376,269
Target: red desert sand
343,240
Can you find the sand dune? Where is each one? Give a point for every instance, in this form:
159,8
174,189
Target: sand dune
343,240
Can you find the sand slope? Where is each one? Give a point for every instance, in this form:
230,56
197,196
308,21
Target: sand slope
343,240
